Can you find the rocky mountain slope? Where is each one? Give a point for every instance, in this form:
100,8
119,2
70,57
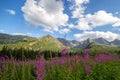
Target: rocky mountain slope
51,43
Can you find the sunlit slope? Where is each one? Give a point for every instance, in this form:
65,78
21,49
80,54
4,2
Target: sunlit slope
43,43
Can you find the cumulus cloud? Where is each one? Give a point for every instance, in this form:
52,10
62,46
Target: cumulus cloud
64,31
90,21
70,26
12,12
2,31
97,34
78,8
117,24
50,15
99,18
46,13
19,34
28,33
24,34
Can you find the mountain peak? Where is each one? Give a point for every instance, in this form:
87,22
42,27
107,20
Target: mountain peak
101,41
69,44
90,40
116,42
48,36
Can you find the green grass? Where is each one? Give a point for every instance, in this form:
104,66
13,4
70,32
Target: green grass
17,71
44,43
24,70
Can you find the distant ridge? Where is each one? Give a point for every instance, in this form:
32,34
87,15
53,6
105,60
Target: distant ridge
8,39
51,43
69,44
87,43
44,43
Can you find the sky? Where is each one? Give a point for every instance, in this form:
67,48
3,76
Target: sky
77,19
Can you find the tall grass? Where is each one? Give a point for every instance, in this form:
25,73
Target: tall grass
79,67
75,67
16,70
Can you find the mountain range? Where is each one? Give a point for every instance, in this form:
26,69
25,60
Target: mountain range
44,43
88,42
49,42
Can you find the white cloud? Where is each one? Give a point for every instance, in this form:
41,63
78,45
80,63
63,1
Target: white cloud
78,8
99,18
50,15
24,34
46,13
78,12
97,34
90,21
117,24
79,2
28,33
2,31
70,26
12,12
19,34
64,31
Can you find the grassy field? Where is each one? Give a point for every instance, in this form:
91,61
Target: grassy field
75,67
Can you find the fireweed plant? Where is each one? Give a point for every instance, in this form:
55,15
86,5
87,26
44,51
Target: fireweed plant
66,67
73,67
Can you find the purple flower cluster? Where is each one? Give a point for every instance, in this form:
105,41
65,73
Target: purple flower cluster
86,59
62,60
40,73
2,59
2,64
102,58
70,61
80,58
88,69
86,54
64,52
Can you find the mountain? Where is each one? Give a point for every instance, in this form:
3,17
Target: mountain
50,43
44,43
47,43
69,44
8,39
116,42
87,43
101,41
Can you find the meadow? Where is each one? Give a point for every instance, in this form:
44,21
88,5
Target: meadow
61,67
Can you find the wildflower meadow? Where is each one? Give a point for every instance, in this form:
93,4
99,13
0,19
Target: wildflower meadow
66,67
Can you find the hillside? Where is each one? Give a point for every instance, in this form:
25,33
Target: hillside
47,43
8,39
50,43
44,43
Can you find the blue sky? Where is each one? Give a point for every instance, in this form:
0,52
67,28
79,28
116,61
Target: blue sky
79,19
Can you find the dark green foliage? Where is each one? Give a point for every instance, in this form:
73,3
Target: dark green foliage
96,49
20,53
100,71
30,53
51,54
22,65
9,39
14,70
106,71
